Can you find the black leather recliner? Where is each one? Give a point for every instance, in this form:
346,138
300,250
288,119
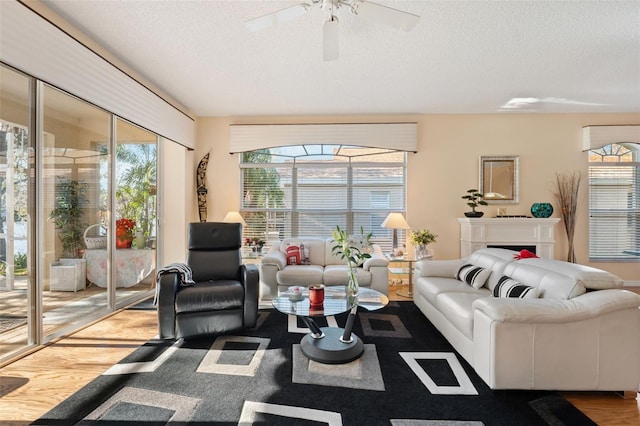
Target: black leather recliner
225,296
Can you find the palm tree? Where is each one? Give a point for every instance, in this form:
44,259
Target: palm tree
261,190
136,184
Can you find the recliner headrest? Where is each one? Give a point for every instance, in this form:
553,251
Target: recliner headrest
214,236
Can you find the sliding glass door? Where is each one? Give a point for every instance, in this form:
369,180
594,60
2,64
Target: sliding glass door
78,212
135,210
16,218
73,208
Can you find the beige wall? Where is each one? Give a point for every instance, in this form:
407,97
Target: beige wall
445,166
175,165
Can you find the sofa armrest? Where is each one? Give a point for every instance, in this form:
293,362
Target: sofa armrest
276,258
588,305
376,259
438,268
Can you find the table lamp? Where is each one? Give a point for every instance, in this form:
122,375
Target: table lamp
234,217
395,221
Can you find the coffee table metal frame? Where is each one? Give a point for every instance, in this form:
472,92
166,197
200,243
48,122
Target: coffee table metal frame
331,345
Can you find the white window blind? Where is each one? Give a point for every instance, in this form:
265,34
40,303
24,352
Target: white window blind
298,198
614,211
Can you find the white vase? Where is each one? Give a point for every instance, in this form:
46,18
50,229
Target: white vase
140,241
422,252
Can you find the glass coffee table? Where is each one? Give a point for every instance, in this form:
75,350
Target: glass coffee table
331,345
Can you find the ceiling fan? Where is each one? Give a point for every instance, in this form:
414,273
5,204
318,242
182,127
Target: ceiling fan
373,11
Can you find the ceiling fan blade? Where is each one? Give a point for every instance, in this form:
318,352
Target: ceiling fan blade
270,19
386,15
330,40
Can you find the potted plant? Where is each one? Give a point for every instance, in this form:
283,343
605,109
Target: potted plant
124,232
69,273
474,199
67,215
421,239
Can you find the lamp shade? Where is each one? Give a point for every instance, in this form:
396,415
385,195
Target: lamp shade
395,221
234,217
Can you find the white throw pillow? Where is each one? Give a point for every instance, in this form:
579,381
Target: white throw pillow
508,287
473,275
298,254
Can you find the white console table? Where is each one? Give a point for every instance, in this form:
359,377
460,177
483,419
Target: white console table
477,233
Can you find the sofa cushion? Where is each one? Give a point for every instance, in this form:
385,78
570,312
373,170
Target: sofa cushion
338,275
431,287
438,268
589,277
210,296
508,287
550,284
475,276
300,275
457,307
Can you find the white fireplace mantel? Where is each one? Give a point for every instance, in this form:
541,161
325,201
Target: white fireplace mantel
477,233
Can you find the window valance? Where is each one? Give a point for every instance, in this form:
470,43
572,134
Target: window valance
395,136
594,137
36,47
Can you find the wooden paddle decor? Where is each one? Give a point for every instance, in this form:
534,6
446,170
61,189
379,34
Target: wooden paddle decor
201,187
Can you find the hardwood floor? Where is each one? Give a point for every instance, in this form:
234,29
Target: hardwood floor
46,377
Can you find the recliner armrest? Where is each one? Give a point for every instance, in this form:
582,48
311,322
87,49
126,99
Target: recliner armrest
168,286
250,277
276,258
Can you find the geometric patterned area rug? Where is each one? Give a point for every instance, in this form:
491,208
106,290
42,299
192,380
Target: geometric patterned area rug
409,375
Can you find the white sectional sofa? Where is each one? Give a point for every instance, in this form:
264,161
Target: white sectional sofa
579,331
322,268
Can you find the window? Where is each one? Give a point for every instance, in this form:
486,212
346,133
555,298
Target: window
614,202
309,190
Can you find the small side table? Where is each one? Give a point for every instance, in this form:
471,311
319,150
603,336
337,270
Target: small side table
408,270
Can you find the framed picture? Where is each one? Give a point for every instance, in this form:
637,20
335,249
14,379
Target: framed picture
499,179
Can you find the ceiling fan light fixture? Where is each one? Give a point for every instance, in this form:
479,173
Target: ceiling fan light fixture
330,41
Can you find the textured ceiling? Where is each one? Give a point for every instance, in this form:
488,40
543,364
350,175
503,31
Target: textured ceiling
462,56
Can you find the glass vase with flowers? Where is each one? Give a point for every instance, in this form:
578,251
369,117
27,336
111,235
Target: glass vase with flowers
354,248
421,239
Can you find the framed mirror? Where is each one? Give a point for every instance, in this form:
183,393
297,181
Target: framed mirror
499,179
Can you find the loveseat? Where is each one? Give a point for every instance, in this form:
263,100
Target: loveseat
303,261
571,328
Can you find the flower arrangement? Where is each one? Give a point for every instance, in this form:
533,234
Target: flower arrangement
124,232
126,224
254,242
422,237
353,248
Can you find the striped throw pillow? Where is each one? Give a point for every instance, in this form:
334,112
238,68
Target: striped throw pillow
473,275
508,287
